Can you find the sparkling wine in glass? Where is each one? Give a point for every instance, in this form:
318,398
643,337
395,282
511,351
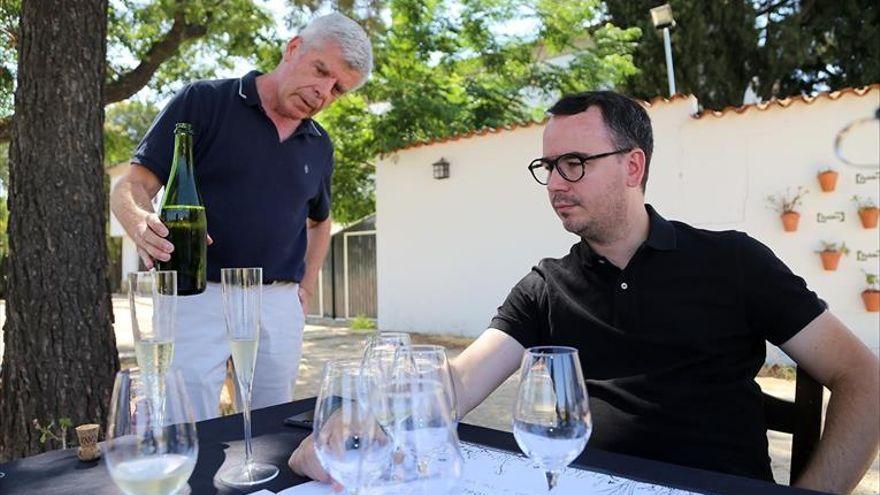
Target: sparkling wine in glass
349,441
152,444
551,418
152,299
241,292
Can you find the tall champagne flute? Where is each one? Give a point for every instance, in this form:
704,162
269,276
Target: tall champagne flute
152,299
429,362
241,291
551,418
152,444
349,441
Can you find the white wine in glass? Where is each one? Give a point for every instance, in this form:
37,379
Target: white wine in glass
152,299
152,444
241,292
244,359
551,418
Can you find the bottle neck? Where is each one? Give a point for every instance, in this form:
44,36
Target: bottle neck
181,188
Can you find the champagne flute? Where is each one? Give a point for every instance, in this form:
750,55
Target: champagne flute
431,363
241,291
152,444
551,418
152,299
349,442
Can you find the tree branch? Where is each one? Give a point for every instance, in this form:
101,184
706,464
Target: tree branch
770,6
131,82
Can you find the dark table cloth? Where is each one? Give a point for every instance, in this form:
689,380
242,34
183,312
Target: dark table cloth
59,472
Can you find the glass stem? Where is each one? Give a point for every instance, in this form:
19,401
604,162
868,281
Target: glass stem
552,479
246,413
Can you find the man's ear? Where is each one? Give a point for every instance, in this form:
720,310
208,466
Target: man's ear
293,45
635,168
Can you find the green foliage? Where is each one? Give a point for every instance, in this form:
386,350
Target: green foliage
778,47
232,29
361,322
125,123
10,11
48,432
444,67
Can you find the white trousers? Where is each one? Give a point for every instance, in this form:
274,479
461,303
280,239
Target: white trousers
201,348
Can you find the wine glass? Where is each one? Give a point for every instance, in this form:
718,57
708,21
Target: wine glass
380,351
429,362
349,441
152,299
152,444
379,360
241,292
427,459
551,418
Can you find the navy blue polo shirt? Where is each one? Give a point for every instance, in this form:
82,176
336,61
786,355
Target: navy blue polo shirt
257,191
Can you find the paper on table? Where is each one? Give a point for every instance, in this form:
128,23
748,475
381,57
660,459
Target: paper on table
489,471
310,488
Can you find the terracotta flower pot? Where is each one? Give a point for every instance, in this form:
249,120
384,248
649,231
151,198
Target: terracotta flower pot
828,180
790,221
830,259
869,217
871,298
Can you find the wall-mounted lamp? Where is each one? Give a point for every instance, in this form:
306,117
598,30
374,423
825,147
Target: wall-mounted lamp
441,169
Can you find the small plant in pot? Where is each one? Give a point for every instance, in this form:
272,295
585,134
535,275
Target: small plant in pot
831,253
828,179
871,294
786,204
868,211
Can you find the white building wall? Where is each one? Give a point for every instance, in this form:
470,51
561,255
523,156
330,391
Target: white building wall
450,250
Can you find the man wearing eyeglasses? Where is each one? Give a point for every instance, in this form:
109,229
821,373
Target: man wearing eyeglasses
669,321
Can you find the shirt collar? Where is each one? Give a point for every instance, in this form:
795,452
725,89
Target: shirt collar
247,91
661,236
661,232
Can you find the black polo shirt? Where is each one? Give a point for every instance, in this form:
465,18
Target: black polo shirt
257,191
671,344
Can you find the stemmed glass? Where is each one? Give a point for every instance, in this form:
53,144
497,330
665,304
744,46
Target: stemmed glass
241,292
379,360
152,444
427,458
551,418
349,441
152,299
428,362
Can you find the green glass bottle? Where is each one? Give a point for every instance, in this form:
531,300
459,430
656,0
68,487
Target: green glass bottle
183,212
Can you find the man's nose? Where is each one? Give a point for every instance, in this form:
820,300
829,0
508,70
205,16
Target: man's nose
555,182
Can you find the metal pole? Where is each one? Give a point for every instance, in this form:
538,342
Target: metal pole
667,45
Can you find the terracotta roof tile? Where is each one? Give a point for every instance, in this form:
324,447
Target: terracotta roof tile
788,101
781,102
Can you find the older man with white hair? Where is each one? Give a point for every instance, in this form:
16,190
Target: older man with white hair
263,168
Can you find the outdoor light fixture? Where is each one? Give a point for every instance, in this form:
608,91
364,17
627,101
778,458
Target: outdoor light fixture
441,169
662,18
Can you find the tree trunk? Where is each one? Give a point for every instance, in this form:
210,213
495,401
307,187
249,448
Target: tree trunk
60,348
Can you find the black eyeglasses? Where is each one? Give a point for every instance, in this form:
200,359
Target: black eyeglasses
571,166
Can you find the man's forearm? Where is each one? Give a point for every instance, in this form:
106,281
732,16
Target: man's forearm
318,241
128,203
850,437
